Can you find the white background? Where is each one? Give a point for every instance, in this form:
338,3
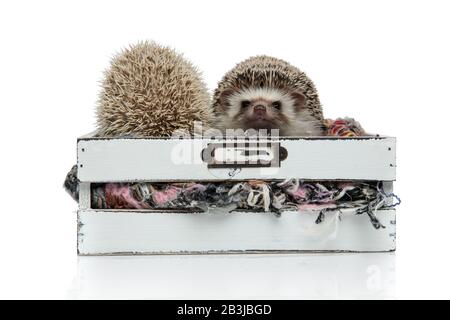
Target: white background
385,63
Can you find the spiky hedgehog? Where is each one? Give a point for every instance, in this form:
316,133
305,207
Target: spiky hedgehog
268,93
151,90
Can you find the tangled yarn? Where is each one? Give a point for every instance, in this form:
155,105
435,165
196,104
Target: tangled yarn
72,184
253,195
343,127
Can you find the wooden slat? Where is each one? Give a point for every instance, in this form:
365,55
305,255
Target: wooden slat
259,276
107,160
128,232
84,200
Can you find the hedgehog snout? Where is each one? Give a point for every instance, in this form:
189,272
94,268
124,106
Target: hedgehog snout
259,110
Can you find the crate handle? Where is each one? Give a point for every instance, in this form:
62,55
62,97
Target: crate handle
244,154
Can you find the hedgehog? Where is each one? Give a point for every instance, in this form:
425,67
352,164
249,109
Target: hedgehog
263,92
151,91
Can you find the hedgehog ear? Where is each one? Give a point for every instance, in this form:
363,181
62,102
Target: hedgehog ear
300,100
223,99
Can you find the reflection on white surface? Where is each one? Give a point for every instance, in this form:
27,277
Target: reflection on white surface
286,276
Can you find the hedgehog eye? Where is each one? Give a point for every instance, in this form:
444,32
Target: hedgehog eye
276,105
245,104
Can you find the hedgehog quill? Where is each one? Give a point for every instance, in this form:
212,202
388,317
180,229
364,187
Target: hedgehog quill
151,91
263,92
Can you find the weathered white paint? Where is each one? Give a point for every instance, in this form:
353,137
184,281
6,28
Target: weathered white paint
144,232
388,188
131,232
124,159
255,276
84,199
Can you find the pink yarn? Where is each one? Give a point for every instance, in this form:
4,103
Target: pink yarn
300,193
196,187
120,196
160,198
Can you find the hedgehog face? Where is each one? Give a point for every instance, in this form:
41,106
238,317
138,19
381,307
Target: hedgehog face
263,108
260,108
263,92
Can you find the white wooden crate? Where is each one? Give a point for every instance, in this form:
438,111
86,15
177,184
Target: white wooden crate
152,232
